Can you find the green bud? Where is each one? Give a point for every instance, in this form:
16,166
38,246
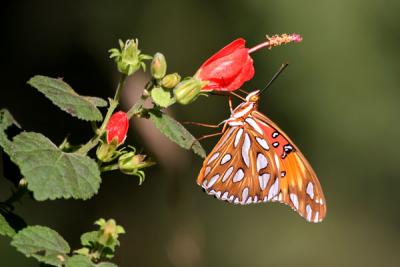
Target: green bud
109,231
170,80
187,91
158,66
128,58
107,152
130,163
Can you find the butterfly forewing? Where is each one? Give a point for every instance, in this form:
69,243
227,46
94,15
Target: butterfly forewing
240,168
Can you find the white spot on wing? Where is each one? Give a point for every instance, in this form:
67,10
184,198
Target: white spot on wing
213,180
225,137
262,143
238,136
238,176
310,190
255,199
245,194
254,125
309,212
316,217
226,158
278,166
213,157
227,174
295,201
207,171
225,196
273,191
246,150
262,162
263,180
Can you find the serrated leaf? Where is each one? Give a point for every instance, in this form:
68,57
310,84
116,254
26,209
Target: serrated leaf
176,132
79,261
63,96
89,238
13,220
42,243
84,261
5,228
6,120
162,97
52,173
97,101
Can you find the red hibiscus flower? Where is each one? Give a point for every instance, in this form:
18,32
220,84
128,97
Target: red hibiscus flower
117,127
232,66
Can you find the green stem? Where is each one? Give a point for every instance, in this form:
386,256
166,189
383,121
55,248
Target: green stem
137,108
113,105
107,168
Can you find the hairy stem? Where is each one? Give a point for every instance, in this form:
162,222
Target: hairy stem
113,105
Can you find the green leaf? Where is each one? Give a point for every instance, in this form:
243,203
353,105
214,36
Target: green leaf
13,220
162,97
97,101
106,264
6,120
52,173
176,132
84,261
42,243
5,228
79,261
63,96
89,238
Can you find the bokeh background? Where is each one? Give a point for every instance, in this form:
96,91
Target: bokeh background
339,100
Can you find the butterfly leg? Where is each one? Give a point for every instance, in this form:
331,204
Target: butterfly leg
208,136
201,124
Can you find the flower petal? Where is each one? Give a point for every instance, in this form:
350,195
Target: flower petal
228,49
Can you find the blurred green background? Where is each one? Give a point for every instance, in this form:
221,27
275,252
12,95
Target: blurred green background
339,101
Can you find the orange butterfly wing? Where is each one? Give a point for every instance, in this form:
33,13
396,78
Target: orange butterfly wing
247,167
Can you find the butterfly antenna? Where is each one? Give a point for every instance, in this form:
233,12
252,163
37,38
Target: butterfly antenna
274,77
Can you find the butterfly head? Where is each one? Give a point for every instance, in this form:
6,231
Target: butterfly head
253,96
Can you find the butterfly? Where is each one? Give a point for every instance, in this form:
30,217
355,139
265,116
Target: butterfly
255,161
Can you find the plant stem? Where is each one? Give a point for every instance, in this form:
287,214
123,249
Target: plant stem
137,108
112,167
113,105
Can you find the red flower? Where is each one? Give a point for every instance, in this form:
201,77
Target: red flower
117,127
232,66
227,69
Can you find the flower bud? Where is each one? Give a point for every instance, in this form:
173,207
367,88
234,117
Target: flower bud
107,152
187,91
117,127
170,80
158,66
128,58
109,232
130,163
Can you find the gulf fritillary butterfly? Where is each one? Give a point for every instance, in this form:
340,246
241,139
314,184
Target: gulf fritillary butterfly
255,161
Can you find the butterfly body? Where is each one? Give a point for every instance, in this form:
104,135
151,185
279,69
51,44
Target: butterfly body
255,161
